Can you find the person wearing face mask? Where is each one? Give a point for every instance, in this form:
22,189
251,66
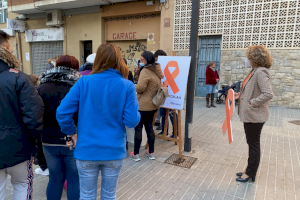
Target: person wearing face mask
253,107
137,72
212,78
148,84
51,64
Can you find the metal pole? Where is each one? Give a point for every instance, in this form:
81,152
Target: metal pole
192,74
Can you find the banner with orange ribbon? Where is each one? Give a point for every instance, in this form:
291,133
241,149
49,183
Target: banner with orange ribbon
229,112
176,70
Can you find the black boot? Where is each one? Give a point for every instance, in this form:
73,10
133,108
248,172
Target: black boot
207,100
212,100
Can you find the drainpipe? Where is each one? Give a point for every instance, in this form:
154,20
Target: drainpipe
65,36
19,50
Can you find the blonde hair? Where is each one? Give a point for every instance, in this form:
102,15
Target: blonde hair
259,56
35,79
211,64
108,56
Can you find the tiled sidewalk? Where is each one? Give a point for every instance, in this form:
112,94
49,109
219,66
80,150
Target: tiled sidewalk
213,175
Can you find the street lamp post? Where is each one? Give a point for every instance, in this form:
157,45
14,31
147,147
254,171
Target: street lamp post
192,74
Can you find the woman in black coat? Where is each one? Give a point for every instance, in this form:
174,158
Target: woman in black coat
55,84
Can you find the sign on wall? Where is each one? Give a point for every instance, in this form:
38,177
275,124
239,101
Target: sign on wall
27,56
49,34
176,71
124,36
151,38
16,24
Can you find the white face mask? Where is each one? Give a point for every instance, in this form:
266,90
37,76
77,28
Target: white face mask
53,63
247,63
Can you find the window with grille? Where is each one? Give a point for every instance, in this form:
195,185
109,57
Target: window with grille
3,11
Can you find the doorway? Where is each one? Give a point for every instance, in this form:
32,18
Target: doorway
86,49
209,51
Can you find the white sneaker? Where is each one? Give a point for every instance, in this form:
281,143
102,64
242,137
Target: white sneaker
41,172
136,157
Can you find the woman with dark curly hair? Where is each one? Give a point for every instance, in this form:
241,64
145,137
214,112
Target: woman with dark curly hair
253,108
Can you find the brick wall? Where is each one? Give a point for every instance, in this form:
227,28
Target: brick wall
19,2
285,74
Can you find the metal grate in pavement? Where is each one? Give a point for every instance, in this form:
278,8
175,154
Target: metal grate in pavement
185,161
297,122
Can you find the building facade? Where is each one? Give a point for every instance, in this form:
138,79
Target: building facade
228,27
86,24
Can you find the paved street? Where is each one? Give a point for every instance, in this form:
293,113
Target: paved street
213,174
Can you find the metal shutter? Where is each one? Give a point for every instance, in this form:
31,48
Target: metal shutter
41,52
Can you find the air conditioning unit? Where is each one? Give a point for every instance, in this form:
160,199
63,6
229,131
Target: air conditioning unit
54,18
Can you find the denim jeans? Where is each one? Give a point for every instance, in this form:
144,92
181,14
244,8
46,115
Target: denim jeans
211,89
88,175
62,166
157,119
163,113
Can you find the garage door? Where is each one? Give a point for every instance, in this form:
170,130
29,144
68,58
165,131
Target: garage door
131,51
41,52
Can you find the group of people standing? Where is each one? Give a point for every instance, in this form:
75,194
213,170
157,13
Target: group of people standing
88,111
95,103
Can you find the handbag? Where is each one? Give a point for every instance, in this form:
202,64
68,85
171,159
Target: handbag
160,97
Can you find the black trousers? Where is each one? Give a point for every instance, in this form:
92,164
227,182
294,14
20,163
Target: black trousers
253,132
146,120
40,157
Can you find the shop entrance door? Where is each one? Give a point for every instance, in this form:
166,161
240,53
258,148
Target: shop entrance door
86,49
209,51
131,51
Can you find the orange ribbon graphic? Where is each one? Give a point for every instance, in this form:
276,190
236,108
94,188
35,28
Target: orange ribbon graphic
229,113
170,78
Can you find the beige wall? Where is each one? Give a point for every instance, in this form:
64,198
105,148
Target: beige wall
163,35
135,29
166,33
77,28
80,28
129,8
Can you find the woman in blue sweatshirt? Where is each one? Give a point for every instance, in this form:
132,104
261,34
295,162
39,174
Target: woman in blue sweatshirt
106,102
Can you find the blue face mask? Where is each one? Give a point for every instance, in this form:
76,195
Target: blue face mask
142,64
